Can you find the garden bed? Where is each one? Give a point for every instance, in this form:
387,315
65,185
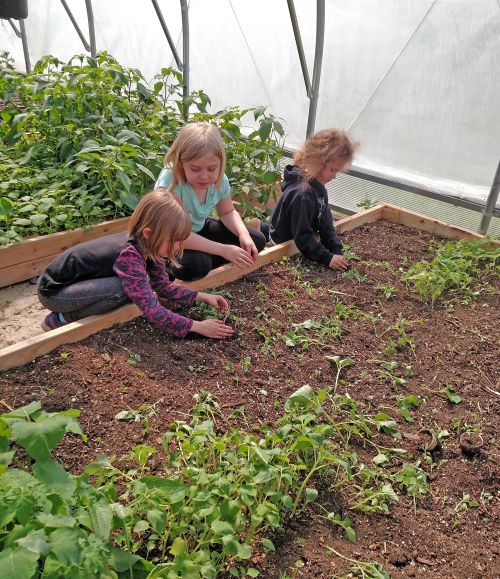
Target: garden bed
425,376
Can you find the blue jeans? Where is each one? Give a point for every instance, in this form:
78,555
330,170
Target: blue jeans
86,298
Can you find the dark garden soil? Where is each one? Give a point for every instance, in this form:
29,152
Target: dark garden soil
455,348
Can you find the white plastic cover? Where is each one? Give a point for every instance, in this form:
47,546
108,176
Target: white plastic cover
417,82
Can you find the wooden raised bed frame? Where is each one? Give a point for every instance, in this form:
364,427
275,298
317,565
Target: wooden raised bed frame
22,261
24,352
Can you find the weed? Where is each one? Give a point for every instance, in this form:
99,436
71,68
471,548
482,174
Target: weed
389,292
390,373
354,275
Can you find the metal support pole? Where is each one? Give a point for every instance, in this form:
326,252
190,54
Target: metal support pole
75,25
24,40
90,18
14,28
167,34
185,56
300,47
491,202
318,62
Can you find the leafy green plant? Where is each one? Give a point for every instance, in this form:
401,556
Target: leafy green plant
340,364
51,521
391,373
455,268
83,140
389,292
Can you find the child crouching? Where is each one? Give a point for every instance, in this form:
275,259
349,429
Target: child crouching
103,274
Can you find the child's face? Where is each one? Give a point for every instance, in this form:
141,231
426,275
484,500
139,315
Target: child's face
163,249
330,171
202,172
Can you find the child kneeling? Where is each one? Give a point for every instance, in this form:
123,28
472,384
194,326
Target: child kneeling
103,274
302,211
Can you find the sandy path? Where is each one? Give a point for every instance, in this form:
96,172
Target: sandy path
20,313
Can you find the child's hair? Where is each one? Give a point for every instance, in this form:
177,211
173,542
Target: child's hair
194,141
163,213
323,148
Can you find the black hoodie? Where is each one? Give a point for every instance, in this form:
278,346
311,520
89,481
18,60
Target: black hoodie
301,212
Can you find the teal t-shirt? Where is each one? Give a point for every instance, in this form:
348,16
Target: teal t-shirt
197,211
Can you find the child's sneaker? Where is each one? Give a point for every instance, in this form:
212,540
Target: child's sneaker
52,322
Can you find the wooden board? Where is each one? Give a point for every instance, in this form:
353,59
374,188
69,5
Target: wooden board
24,352
396,214
22,261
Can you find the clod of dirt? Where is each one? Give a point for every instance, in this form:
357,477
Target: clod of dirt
470,444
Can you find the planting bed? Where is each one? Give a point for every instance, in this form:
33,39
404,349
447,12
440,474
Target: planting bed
434,371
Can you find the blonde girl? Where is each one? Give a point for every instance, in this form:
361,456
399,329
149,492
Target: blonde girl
103,274
195,172
302,211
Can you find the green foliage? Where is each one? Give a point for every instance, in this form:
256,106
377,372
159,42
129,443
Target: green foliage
457,266
83,140
200,515
50,520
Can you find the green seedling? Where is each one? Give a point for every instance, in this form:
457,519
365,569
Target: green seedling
406,404
465,503
196,369
340,364
390,373
344,523
246,364
354,275
451,395
389,292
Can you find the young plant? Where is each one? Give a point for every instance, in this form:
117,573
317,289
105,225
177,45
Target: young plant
455,268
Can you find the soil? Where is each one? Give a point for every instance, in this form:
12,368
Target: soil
20,313
455,348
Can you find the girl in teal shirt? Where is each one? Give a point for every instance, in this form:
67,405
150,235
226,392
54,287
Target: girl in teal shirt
195,172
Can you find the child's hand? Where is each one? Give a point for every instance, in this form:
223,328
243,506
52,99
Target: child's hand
212,329
213,300
338,262
248,245
237,255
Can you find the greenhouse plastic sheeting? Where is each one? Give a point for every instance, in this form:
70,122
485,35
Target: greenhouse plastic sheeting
417,82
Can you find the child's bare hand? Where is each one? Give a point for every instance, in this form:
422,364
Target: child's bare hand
238,256
338,262
213,300
248,245
212,329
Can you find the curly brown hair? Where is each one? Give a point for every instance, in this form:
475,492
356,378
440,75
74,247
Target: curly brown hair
323,148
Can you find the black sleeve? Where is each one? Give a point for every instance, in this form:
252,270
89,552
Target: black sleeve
302,217
327,233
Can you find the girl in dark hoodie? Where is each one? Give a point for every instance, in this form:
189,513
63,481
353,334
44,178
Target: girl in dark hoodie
302,211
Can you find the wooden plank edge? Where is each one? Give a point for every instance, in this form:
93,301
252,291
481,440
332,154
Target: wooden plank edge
26,351
402,216
54,243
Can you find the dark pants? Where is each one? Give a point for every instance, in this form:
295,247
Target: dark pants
86,298
197,264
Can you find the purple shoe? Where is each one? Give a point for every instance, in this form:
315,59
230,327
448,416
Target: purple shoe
52,322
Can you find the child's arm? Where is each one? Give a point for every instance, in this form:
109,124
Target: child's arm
330,239
302,213
131,269
232,220
232,253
